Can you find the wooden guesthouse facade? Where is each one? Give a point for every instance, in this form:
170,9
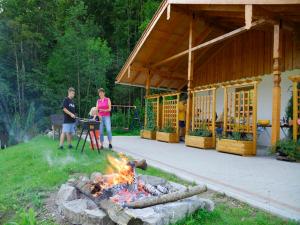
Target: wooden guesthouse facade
237,58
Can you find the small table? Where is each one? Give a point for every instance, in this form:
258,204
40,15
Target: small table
88,126
283,128
263,128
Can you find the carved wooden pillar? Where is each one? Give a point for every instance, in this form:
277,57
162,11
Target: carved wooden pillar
276,104
190,78
148,82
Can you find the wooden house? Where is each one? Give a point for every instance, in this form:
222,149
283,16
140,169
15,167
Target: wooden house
246,49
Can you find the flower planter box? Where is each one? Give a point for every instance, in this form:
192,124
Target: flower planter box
167,137
147,134
245,148
199,142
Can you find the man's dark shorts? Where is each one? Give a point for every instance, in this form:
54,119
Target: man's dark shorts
181,123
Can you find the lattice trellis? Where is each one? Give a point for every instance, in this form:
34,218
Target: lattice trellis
296,105
240,108
204,109
170,110
154,101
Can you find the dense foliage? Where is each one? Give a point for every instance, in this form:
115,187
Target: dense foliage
48,46
150,122
288,148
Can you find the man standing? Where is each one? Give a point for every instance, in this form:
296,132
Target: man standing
69,126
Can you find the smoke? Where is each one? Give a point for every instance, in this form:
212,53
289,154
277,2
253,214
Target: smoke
20,127
58,161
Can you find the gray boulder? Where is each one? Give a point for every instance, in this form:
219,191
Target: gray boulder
66,193
95,217
73,211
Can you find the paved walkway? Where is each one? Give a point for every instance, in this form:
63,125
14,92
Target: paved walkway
261,181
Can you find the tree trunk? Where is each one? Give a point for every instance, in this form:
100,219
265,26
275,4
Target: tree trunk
89,84
18,77
23,75
128,26
78,82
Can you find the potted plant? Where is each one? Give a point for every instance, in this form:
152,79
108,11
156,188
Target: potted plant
149,131
200,138
168,134
287,150
236,142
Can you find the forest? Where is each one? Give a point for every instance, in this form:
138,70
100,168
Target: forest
48,46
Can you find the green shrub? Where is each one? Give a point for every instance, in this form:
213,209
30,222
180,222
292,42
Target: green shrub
238,136
118,119
168,128
150,121
201,133
288,148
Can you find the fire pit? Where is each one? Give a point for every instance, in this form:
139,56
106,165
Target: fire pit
123,197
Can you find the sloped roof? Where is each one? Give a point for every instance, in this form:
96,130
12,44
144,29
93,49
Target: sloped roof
165,37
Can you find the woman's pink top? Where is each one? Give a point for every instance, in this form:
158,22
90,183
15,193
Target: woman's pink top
103,104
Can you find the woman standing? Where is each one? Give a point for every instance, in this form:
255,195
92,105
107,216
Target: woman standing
104,108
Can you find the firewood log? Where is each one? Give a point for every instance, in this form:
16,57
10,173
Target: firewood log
140,164
152,190
171,197
162,189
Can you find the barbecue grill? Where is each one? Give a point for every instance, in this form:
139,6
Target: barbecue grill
89,126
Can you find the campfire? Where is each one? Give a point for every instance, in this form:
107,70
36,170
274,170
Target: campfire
125,196
121,184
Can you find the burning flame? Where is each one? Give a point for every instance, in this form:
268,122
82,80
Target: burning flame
120,170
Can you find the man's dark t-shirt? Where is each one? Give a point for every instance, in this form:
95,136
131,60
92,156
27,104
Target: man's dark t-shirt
70,106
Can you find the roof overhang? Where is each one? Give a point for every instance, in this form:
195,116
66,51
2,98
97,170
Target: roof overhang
167,35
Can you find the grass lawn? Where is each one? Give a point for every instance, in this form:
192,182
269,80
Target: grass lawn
32,170
124,132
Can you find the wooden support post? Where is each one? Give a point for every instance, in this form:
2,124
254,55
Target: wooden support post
276,88
295,79
148,82
213,123
168,11
177,118
248,16
254,119
163,112
225,111
193,111
295,110
145,117
157,113
190,78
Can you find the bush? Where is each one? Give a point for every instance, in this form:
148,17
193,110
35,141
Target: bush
288,148
238,136
168,128
150,122
201,133
118,119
